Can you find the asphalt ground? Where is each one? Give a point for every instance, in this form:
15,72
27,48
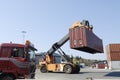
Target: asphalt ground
84,74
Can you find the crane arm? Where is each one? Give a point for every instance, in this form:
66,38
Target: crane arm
58,44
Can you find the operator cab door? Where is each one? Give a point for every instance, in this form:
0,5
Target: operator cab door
53,63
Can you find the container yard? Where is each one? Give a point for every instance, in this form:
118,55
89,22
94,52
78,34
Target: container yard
59,40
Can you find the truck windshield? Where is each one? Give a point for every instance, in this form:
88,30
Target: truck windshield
31,55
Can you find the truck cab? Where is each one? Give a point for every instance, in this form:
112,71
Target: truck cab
17,61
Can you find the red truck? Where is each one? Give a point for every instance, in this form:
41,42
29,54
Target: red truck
17,61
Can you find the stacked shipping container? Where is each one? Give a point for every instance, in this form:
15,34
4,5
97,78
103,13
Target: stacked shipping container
113,56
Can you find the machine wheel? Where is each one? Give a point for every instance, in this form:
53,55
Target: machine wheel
8,77
68,69
43,69
77,70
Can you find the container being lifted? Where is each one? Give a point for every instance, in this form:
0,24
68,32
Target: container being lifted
82,38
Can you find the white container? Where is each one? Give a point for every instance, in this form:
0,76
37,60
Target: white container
96,66
115,65
82,65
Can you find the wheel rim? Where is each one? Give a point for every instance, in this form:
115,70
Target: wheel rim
43,69
68,69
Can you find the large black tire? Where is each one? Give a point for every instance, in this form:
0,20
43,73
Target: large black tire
43,69
32,70
8,77
68,69
77,70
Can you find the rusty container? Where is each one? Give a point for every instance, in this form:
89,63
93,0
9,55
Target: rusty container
81,38
113,52
113,48
101,66
115,56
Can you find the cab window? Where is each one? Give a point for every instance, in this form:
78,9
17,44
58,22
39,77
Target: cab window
18,52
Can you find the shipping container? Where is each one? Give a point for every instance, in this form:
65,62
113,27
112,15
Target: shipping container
115,65
113,48
82,65
108,53
113,57
100,66
81,38
113,52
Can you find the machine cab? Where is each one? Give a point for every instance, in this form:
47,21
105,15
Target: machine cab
18,51
17,60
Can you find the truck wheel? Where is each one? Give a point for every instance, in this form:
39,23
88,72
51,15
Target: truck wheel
7,77
43,69
68,69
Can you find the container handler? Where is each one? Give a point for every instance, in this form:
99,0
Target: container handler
17,61
48,64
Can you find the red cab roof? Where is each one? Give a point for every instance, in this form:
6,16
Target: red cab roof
12,45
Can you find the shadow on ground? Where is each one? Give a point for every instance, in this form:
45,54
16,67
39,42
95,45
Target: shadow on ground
113,74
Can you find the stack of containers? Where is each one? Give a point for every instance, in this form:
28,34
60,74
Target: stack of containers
83,38
113,56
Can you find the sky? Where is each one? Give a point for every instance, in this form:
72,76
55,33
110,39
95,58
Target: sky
47,21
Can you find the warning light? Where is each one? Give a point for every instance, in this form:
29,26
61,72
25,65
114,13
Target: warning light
28,43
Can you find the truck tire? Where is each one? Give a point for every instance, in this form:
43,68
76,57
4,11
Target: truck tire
43,69
68,69
8,77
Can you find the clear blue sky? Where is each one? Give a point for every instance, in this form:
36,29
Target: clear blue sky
47,21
